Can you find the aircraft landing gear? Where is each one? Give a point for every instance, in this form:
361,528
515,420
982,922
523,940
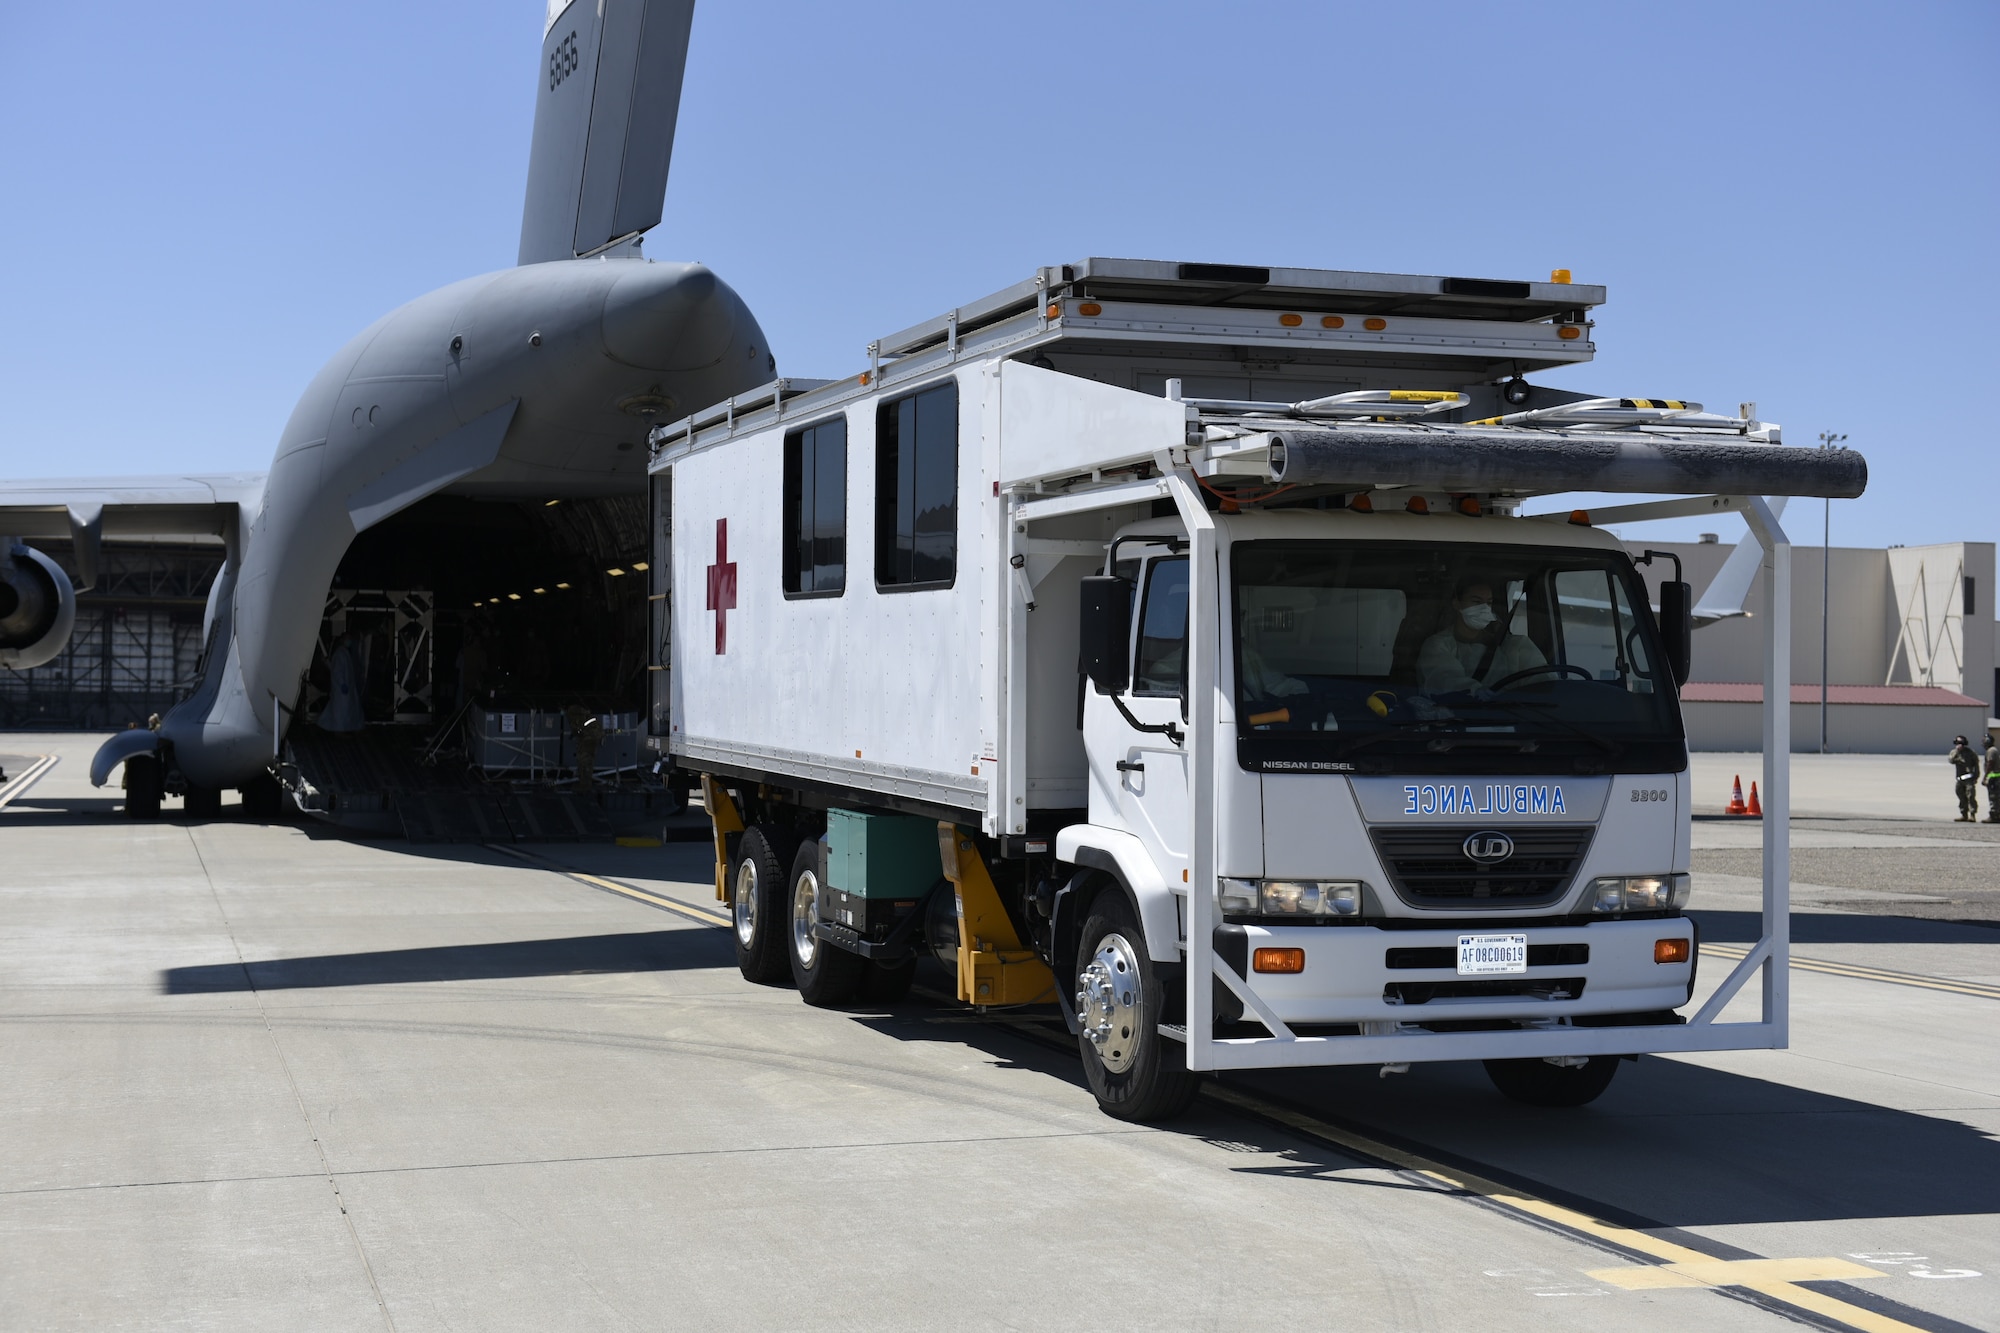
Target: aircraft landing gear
263,799
203,802
145,784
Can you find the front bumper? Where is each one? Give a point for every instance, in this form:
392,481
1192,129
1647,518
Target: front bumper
1349,977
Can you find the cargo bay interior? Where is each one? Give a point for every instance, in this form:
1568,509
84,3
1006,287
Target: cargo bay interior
475,658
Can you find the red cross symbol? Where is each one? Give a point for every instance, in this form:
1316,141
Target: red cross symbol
722,585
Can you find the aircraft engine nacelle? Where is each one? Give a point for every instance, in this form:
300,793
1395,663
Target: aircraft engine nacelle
37,607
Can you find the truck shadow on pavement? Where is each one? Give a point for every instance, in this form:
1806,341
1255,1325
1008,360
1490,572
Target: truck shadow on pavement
1671,1144
580,955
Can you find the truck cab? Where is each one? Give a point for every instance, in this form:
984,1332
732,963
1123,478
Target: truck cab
1451,777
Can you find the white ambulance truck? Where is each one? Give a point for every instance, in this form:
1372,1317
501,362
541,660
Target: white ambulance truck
1181,645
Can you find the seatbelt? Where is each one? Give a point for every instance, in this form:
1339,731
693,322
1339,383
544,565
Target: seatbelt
1493,643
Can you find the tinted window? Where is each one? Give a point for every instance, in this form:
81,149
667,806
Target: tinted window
1389,653
1163,630
816,508
916,489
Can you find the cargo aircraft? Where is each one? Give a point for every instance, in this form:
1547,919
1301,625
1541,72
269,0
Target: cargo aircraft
530,386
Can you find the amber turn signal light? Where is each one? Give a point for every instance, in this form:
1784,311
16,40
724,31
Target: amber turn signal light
1281,960
1670,951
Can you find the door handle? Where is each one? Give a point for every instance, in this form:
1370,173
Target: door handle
1129,766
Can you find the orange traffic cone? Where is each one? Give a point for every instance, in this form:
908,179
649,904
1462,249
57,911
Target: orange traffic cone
1754,808
1736,806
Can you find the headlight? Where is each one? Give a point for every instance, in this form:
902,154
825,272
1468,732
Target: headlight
1638,893
1290,897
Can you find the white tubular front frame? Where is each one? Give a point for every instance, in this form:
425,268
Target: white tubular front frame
1702,1032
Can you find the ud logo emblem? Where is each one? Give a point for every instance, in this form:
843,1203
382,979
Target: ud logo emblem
1489,848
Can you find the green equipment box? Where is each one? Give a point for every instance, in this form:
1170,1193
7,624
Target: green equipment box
877,867
881,856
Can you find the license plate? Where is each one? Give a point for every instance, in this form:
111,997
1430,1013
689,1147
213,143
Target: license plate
1486,955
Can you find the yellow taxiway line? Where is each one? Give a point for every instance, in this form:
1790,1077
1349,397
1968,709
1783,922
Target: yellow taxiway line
1678,1266
1734,952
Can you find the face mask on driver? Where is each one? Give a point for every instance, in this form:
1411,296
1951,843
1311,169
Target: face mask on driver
1479,615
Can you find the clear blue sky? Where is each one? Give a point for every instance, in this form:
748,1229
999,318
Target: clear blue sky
1793,204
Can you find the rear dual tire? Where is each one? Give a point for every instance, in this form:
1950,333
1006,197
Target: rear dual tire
759,906
827,975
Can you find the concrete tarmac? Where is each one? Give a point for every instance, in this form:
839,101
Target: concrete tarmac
263,1076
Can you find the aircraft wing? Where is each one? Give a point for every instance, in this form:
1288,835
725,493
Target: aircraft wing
87,510
1723,598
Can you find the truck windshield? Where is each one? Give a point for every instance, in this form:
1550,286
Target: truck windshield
1406,657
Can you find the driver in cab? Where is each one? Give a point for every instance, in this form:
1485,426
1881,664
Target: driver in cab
1475,649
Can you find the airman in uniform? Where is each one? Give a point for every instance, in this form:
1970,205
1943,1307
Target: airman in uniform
1966,761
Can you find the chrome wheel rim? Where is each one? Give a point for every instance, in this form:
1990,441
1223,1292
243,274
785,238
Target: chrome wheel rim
1110,1003
805,915
744,909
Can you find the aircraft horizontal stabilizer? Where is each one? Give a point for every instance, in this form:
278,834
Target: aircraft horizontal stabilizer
609,96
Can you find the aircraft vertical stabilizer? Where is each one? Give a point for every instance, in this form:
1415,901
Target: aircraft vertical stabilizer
609,94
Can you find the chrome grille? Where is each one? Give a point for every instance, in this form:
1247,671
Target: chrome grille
1428,867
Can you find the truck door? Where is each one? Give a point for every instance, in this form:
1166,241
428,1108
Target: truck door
1150,773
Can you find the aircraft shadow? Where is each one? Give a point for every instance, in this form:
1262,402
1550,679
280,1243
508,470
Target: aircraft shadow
581,955
1848,928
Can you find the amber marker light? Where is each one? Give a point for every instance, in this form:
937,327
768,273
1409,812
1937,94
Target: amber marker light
1418,505
1291,321
1054,311
1278,960
1090,308
1332,322
1670,951
1375,325
1559,276
1580,517
1361,504
1569,333
1469,504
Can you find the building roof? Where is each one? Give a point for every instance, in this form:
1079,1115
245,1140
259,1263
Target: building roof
1752,692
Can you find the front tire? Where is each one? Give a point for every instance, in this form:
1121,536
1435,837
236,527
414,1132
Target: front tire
1133,1071
758,905
827,976
1539,1083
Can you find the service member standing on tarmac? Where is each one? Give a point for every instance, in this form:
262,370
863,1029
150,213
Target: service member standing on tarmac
1992,780
1966,761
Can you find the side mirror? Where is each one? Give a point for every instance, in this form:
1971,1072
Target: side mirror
1104,632
1677,628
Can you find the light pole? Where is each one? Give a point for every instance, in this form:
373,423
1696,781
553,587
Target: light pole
1827,440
